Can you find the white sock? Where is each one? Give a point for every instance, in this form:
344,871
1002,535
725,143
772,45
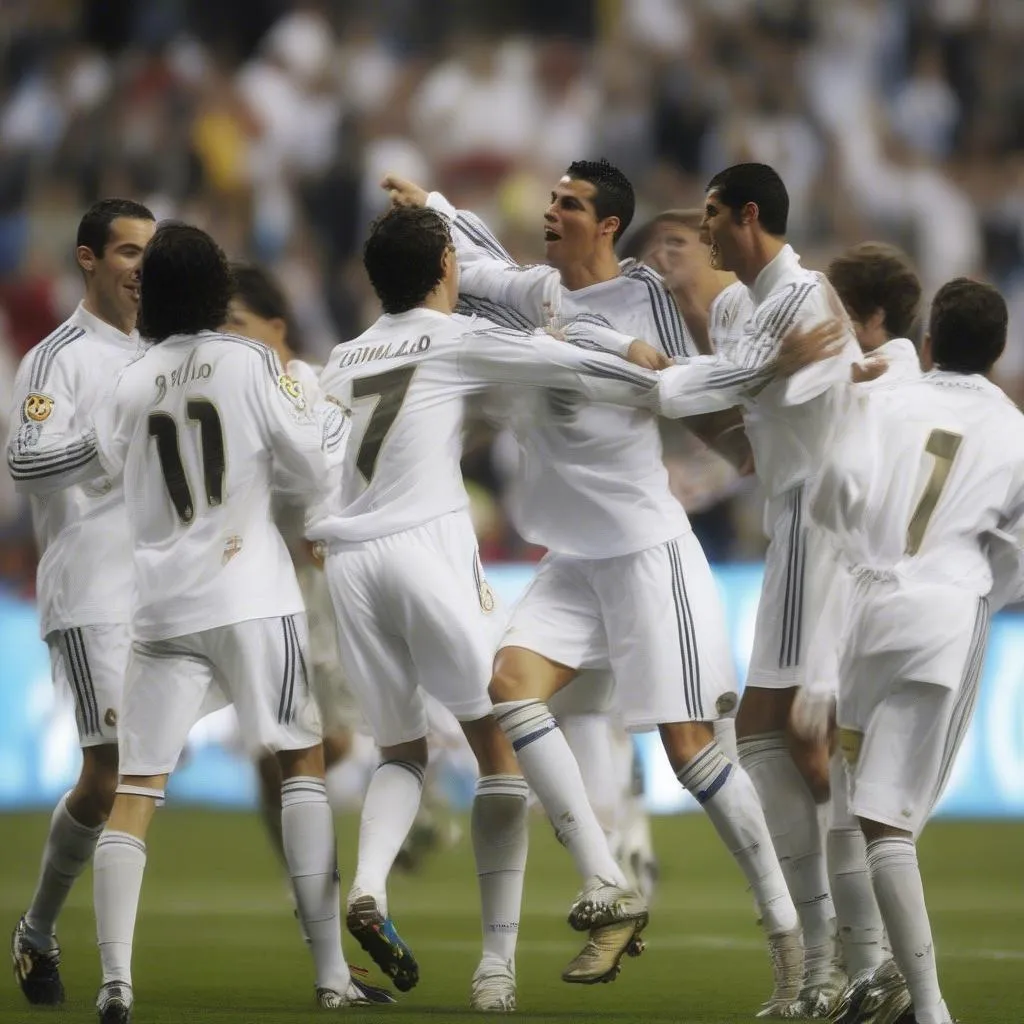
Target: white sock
725,735
897,881
857,913
389,809
307,830
728,797
69,847
553,774
589,739
498,827
117,871
792,818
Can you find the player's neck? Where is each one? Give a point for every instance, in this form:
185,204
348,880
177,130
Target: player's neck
603,266
763,250
438,301
119,321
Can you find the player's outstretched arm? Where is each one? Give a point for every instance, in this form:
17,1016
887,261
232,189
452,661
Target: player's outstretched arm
46,449
496,355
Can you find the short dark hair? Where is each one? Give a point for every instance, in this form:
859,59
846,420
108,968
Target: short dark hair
875,275
639,239
186,283
754,183
967,326
614,194
258,290
94,227
404,256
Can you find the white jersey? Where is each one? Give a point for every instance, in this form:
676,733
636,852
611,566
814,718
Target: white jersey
927,481
204,426
85,570
591,480
405,380
791,422
903,362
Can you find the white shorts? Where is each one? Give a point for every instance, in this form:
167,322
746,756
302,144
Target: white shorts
259,666
414,610
338,708
654,618
899,734
91,663
798,569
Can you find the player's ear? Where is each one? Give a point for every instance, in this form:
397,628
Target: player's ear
86,258
609,226
749,213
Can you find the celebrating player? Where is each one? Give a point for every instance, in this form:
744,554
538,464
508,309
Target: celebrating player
85,570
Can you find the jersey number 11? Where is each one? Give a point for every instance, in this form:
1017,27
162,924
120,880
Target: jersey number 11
211,439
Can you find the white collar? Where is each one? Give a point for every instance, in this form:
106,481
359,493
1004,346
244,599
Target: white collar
784,262
108,332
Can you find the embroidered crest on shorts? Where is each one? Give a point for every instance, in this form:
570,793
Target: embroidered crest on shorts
231,548
292,390
38,407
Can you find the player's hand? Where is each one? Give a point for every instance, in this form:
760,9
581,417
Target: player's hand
640,353
802,346
403,192
813,715
870,369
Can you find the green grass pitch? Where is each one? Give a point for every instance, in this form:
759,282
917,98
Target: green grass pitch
216,941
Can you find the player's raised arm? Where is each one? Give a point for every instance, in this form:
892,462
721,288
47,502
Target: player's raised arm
497,355
47,450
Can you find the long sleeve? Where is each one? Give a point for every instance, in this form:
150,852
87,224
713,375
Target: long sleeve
703,384
307,438
491,283
47,450
498,356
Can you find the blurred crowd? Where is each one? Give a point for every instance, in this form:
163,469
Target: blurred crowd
270,123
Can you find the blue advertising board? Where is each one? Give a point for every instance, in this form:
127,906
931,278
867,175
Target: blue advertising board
39,756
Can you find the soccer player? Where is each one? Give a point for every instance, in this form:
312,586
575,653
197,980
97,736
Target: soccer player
85,572
790,425
202,427
924,496
260,310
413,606
880,290
625,585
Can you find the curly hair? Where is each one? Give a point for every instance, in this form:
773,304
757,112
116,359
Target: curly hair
875,275
186,283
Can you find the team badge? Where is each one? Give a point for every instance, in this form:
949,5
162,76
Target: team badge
38,407
292,390
232,546
486,597
726,703
110,718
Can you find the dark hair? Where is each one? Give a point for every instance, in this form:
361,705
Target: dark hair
404,254
754,183
94,227
641,237
614,194
874,275
259,292
967,326
186,283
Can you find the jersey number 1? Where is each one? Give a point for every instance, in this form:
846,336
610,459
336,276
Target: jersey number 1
390,388
943,444
211,440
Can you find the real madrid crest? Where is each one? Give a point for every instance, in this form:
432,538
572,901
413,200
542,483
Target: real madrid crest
292,390
38,407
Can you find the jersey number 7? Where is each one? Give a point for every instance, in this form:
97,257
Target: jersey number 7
943,444
390,389
211,439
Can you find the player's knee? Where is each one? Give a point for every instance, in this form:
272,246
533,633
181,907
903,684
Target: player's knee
683,741
412,752
93,795
269,771
879,830
814,764
308,762
507,682
520,674
762,710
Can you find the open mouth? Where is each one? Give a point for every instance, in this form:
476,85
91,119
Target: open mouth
714,255
551,236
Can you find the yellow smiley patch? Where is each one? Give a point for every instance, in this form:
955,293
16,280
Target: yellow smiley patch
38,407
